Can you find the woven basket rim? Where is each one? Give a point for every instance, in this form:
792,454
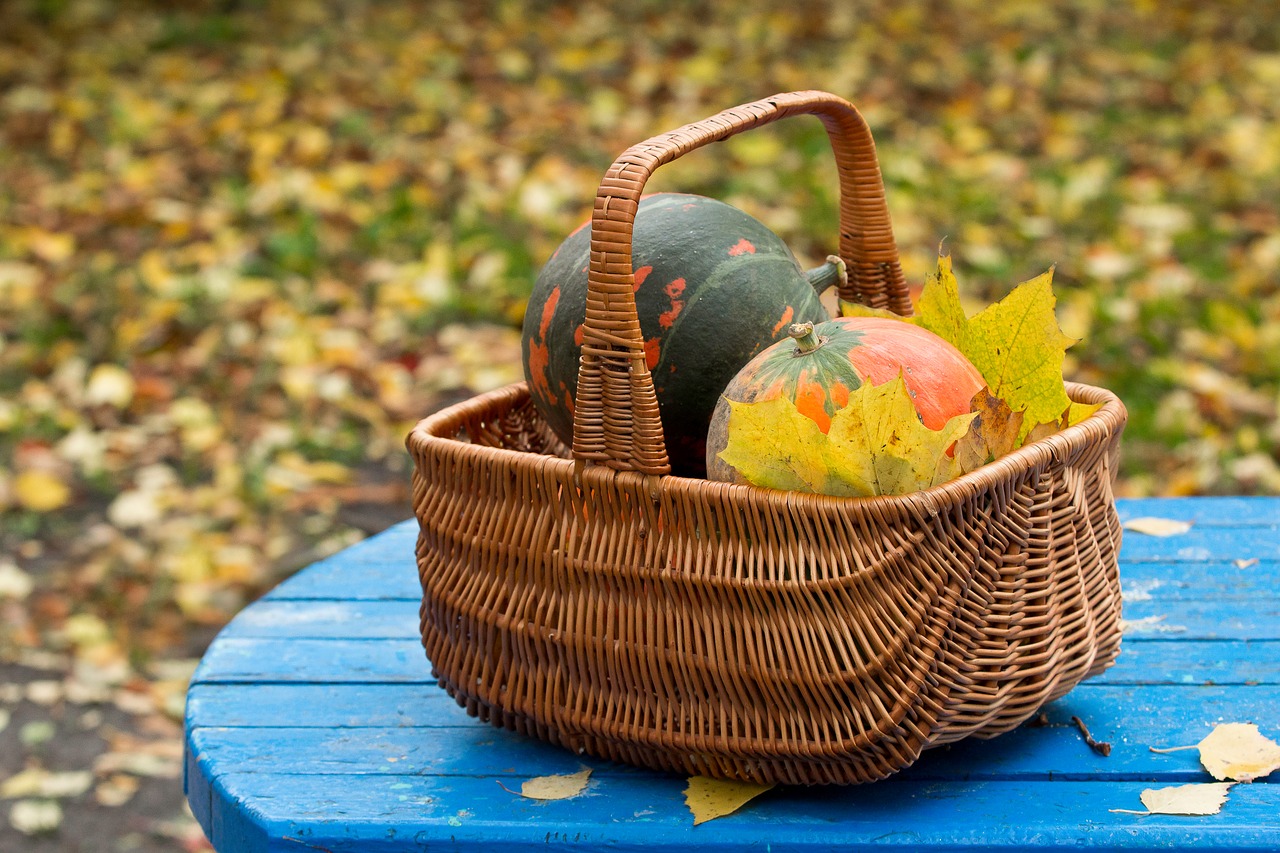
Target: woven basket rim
1100,426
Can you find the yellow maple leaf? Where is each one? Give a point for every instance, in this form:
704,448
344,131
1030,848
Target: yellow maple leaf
1016,344
880,447
774,446
876,445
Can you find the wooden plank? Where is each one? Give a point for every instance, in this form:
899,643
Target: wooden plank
1177,661
321,661
398,581
447,741
1203,619
380,567
326,619
1219,581
1203,545
389,814
321,705
1191,618
1141,661
1160,715
1205,512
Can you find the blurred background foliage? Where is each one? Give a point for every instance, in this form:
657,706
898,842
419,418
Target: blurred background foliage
245,246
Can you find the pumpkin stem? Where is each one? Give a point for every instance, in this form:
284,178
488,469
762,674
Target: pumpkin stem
806,340
831,273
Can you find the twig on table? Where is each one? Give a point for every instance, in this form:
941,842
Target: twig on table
1101,747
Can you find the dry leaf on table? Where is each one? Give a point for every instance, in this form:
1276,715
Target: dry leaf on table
709,798
1199,799
556,787
1235,751
1157,526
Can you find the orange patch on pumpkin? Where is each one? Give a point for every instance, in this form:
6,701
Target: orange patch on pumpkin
548,311
839,395
742,247
811,401
785,321
539,358
579,335
652,350
641,274
674,290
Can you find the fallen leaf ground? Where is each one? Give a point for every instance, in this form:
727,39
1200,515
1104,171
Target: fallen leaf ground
243,247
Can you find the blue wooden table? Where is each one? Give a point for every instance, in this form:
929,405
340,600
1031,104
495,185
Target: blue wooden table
313,724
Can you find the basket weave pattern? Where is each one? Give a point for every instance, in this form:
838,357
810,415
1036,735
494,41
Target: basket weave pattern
581,596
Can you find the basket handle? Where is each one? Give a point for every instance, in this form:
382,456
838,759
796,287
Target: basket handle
616,421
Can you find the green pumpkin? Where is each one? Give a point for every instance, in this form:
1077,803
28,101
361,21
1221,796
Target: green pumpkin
714,287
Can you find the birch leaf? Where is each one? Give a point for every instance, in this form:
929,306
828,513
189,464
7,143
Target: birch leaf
1239,752
709,798
1152,526
1198,799
556,787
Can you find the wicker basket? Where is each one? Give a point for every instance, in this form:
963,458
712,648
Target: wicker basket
587,597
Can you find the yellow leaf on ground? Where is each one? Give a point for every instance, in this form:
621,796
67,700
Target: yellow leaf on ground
34,782
41,491
1198,799
556,787
1237,752
32,817
1157,526
110,385
709,798
14,582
